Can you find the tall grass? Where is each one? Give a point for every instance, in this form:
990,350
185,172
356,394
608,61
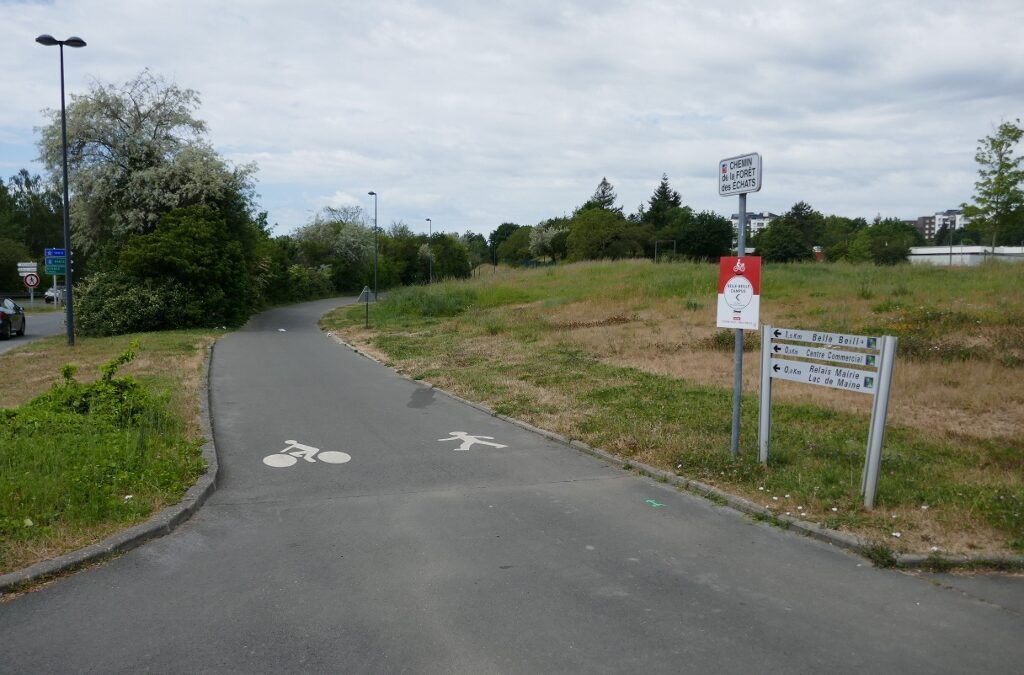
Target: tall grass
547,346
83,459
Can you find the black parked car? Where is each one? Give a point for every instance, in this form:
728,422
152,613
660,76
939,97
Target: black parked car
12,319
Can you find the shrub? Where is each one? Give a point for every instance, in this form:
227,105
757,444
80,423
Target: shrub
110,303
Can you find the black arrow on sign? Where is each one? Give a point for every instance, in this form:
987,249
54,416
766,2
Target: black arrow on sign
777,333
777,349
775,367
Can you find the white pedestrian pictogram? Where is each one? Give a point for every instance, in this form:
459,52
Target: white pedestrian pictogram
469,440
288,456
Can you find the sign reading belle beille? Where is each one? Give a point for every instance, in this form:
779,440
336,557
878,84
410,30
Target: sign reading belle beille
739,292
739,175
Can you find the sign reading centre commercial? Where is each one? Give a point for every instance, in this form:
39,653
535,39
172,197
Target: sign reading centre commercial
739,175
739,292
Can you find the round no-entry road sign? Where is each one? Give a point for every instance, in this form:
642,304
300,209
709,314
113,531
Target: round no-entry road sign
31,280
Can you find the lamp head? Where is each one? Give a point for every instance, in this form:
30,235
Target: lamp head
371,192
47,40
75,41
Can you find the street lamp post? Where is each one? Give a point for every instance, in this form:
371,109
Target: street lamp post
376,237
430,251
69,307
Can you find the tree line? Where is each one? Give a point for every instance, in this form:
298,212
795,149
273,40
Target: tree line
168,234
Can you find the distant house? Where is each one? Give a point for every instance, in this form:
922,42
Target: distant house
963,256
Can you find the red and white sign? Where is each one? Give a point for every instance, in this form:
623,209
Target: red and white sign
739,292
31,280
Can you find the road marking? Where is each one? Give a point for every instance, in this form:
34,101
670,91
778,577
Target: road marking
468,440
654,503
295,451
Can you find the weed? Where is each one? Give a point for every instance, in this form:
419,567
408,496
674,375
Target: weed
881,555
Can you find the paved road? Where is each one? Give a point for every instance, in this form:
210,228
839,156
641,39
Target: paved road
418,557
36,326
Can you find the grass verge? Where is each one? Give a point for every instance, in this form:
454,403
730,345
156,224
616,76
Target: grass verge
84,451
624,356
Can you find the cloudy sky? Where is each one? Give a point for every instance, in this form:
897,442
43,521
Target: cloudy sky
478,113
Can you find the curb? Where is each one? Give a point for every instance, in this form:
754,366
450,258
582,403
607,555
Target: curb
158,525
849,542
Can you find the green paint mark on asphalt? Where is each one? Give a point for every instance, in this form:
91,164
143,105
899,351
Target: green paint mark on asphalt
654,503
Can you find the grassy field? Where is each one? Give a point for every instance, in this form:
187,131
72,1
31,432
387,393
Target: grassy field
82,458
626,356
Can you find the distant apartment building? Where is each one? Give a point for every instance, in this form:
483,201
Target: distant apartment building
929,226
925,225
755,221
953,219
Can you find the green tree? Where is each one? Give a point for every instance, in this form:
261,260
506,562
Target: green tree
12,252
476,246
998,206
503,232
781,241
661,205
548,238
451,258
195,249
604,198
706,236
515,250
135,152
599,233
339,239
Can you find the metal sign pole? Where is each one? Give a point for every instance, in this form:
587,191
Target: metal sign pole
737,392
876,438
764,431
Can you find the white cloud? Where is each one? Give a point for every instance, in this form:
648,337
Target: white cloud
475,114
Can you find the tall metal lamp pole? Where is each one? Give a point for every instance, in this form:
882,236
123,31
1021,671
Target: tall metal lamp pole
69,307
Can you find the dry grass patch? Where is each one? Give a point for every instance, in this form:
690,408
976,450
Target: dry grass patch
626,356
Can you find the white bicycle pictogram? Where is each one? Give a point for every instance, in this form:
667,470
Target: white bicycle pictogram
295,450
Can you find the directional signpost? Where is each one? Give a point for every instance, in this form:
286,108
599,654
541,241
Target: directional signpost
56,261
857,363
364,298
738,176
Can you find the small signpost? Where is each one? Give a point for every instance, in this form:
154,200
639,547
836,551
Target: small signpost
830,361
738,176
364,298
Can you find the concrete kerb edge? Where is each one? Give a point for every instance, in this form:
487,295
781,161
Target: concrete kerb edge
842,540
157,525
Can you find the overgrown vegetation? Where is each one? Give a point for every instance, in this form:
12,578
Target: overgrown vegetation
86,458
613,354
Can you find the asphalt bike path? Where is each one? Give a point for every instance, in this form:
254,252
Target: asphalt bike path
367,523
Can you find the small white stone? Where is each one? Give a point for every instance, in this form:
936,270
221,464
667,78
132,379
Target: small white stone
761,488
834,509
896,534
787,496
924,507
775,499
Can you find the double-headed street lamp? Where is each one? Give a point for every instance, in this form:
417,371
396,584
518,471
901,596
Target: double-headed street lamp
430,251
376,236
50,41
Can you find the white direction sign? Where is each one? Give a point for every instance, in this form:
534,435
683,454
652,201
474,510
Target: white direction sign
836,377
27,268
739,175
825,354
837,339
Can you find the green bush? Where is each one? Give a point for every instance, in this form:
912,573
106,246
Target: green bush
110,303
83,454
